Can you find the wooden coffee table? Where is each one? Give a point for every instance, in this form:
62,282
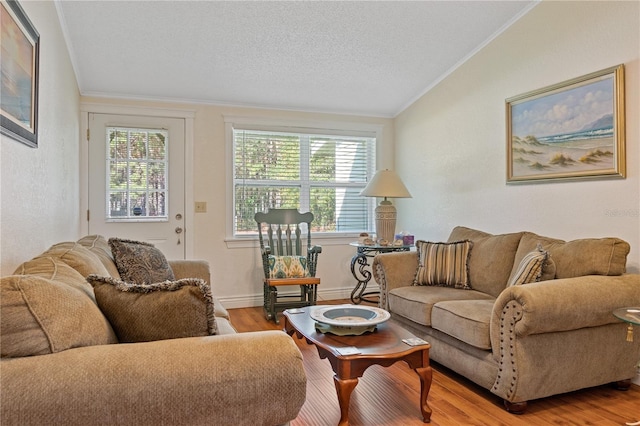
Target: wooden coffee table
382,347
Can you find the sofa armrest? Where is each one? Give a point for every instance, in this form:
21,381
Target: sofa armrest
564,304
393,270
546,335
191,269
241,379
197,269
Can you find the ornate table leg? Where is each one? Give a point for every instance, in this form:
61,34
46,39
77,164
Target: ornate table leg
344,389
426,375
363,278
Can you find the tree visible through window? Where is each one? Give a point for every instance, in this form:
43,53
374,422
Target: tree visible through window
137,164
323,174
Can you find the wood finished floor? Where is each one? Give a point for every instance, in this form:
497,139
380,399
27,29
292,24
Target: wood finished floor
389,396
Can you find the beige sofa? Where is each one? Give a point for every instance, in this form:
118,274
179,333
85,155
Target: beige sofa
61,362
528,341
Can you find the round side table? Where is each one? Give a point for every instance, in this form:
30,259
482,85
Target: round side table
630,316
362,275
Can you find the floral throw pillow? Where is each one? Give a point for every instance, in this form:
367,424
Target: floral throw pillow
139,262
288,267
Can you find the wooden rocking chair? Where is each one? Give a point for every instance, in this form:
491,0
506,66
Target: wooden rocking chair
287,259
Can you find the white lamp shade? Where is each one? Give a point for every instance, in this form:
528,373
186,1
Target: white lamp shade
386,183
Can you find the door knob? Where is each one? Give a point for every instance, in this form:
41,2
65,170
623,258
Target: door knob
178,231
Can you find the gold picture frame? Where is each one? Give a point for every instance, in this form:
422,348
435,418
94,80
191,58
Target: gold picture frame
568,131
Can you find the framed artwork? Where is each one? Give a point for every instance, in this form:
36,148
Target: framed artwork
20,43
571,130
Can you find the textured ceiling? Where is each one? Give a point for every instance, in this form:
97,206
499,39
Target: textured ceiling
364,57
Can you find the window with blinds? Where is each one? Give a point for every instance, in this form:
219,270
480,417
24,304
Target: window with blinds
323,174
137,164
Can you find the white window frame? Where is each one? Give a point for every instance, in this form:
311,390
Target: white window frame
291,126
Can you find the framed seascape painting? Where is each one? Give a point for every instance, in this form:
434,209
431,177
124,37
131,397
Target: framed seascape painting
571,130
20,44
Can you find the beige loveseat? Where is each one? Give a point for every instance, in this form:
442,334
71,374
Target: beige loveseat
62,364
528,341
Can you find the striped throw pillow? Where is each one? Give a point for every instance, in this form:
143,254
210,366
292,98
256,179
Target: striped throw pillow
530,268
443,264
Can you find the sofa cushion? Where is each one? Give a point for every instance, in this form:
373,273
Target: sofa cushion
592,256
224,326
139,262
491,259
219,310
548,269
53,268
78,257
166,310
443,264
466,320
42,316
288,267
530,268
416,302
99,246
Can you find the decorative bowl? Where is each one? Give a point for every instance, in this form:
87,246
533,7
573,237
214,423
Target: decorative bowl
345,320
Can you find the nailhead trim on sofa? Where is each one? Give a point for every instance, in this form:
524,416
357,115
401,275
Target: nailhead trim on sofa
507,367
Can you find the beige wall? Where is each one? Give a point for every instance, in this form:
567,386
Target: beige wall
450,151
39,189
239,270
450,144
236,271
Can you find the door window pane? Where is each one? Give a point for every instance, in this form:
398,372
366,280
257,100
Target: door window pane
137,173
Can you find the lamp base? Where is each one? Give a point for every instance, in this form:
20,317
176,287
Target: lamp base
386,215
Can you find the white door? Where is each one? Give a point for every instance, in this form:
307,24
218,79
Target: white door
136,180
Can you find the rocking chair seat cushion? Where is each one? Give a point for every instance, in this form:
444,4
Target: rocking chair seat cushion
288,267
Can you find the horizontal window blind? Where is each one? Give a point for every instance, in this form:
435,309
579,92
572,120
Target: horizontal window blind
321,173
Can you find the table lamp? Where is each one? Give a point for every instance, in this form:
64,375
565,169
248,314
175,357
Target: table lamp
386,183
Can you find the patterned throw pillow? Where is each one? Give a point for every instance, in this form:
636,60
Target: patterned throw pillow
288,267
443,264
139,262
530,268
166,310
